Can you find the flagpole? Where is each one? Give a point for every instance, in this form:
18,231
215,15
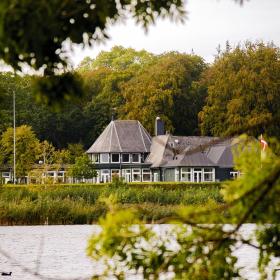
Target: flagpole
14,117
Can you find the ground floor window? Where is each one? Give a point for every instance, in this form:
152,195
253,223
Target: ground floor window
105,176
126,174
186,174
115,173
136,175
234,174
197,175
146,175
209,174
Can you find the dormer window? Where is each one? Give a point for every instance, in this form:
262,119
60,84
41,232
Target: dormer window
136,158
115,158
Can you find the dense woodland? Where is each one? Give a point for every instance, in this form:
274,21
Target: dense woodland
238,92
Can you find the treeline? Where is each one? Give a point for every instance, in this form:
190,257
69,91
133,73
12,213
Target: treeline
238,92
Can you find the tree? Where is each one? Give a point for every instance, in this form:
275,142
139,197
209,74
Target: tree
118,58
83,168
27,149
243,92
82,22
170,89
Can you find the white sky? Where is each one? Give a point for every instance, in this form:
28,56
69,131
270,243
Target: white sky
209,23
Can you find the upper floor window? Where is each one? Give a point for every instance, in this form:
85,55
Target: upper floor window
95,158
115,158
135,158
125,158
104,158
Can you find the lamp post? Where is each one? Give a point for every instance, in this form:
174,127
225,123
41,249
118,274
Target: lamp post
14,117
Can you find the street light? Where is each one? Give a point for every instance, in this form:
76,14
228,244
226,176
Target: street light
14,116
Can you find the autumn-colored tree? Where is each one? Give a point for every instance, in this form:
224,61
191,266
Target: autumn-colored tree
243,92
170,89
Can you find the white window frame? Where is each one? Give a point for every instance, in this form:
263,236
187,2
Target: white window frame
139,158
101,160
112,158
6,174
95,158
146,171
186,173
156,177
212,173
126,172
136,171
128,158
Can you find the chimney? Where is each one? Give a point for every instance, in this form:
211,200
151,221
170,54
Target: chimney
159,127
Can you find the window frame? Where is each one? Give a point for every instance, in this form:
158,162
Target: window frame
128,158
211,173
139,158
113,154
146,171
101,160
136,171
186,173
95,156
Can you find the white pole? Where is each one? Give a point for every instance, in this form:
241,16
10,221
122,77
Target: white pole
14,112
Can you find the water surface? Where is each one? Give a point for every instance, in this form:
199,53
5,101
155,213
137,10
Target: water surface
62,252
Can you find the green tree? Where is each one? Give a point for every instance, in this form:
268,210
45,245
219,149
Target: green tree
118,58
27,149
83,168
243,92
170,89
82,22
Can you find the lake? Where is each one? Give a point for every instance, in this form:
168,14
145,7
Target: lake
61,251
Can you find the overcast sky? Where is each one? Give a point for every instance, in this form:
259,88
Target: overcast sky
209,23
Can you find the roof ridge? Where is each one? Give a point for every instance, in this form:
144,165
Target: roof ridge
118,137
142,135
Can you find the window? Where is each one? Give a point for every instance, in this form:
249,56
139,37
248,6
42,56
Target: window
126,174
115,173
136,175
50,173
6,174
135,158
156,176
125,158
60,174
234,174
115,158
95,158
104,176
104,158
146,175
208,174
186,174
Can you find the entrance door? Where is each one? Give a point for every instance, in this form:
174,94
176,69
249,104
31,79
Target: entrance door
197,176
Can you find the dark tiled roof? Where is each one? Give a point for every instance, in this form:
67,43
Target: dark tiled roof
122,136
172,151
